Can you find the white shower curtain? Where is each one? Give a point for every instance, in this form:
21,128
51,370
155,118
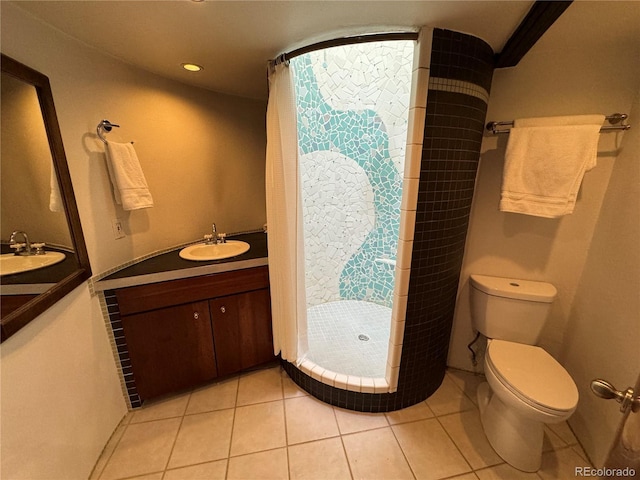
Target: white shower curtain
284,218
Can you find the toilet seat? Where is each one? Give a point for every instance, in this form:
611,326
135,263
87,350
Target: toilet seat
533,376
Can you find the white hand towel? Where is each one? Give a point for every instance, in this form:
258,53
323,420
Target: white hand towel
545,162
55,198
129,185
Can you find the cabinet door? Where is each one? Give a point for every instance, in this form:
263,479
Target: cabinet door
242,330
170,348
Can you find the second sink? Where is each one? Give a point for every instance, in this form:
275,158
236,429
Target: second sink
10,263
203,252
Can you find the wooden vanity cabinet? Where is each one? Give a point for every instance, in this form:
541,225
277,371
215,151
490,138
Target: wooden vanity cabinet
181,333
241,335
170,348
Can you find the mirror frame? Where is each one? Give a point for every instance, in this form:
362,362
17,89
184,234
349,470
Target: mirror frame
30,310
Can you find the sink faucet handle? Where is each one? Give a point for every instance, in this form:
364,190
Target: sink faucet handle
17,246
222,238
39,248
208,239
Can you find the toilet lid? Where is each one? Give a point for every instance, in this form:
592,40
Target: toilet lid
532,374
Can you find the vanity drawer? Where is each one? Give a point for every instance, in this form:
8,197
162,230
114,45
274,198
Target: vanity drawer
176,292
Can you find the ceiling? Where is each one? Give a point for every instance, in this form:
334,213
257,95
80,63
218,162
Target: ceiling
234,39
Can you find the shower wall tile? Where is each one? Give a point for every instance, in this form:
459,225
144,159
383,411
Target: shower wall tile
397,332
443,191
328,377
354,383
398,314
352,134
407,225
367,385
341,381
306,366
393,375
316,372
402,282
403,258
413,160
419,85
395,351
410,194
422,52
416,119
380,385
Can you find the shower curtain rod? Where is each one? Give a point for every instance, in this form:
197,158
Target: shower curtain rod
614,119
337,42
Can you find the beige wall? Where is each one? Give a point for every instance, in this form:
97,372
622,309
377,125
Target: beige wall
61,398
562,75
604,322
203,157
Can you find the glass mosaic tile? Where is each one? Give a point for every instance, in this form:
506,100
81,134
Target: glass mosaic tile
353,104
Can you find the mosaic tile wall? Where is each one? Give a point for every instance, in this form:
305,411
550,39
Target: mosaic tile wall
461,69
353,104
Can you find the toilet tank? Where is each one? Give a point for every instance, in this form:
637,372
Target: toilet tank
510,309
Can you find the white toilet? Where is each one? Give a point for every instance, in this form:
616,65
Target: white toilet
526,387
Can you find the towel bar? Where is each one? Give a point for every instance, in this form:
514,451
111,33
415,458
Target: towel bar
614,119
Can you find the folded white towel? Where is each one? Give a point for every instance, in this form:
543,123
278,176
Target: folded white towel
129,185
545,161
55,198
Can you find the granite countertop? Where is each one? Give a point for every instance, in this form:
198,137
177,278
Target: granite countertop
170,266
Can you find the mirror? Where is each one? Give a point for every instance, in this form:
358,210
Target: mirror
37,198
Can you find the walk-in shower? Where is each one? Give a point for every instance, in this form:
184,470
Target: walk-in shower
447,102
352,115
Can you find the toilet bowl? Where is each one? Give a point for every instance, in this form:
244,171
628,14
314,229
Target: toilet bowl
526,388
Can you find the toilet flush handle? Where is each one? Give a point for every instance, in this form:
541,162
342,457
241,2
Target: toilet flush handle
604,389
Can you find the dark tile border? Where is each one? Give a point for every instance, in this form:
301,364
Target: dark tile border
121,347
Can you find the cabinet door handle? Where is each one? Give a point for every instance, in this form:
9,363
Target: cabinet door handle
196,315
223,309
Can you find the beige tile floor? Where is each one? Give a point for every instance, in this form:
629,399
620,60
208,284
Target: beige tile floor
260,425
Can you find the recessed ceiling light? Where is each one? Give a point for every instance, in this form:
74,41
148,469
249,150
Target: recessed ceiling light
192,67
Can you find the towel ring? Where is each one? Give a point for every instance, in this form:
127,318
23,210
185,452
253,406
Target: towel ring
106,126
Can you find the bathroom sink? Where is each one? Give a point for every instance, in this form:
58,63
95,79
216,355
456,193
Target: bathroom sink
10,263
202,252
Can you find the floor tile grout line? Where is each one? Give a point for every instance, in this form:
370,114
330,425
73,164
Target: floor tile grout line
137,476
306,442
284,419
125,427
344,448
455,444
233,426
175,440
362,431
406,458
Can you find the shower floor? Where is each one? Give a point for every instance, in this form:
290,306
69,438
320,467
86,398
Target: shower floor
337,331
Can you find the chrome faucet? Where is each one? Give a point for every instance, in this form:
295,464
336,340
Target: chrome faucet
18,246
212,238
216,237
